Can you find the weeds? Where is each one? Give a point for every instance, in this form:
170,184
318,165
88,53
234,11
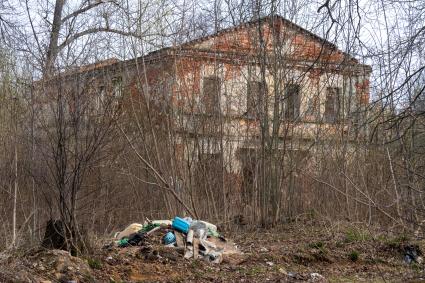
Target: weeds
354,256
319,246
316,245
255,271
356,235
94,263
396,242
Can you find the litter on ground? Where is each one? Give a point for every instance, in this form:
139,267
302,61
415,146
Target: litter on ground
195,239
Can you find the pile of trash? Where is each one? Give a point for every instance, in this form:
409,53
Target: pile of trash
195,239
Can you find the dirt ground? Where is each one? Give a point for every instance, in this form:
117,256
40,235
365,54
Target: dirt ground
291,253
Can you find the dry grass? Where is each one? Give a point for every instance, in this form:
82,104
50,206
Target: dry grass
340,253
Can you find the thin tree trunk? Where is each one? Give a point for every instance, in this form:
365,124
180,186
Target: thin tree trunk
15,192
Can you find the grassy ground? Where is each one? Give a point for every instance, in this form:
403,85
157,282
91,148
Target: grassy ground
291,253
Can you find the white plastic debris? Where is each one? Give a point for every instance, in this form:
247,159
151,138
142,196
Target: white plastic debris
130,229
316,276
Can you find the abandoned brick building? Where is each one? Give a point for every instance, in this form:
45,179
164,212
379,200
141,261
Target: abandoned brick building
266,85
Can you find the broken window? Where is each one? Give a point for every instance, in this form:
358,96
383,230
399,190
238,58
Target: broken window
117,87
332,106
291,102
255,90
101,96
211,97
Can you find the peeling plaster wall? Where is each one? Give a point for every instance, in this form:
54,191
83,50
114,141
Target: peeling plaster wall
331,70
241,132
175,78
233,92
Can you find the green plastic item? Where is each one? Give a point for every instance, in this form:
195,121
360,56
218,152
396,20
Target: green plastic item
213,233
148,227
123,242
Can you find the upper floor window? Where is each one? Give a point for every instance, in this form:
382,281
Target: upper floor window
211,95
117,87
101,97
254,91
332,105
291,102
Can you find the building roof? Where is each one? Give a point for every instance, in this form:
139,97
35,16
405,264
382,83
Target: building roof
187,45
269,19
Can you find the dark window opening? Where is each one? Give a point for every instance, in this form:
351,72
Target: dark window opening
209,172
211,97
248,176
249,172
291,102
332,106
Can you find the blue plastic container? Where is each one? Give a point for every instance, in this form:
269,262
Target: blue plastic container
169,238
180,224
